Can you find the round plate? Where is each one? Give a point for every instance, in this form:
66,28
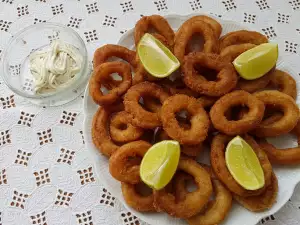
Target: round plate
288,177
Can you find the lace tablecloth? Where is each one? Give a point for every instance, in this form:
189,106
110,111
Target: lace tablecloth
46,177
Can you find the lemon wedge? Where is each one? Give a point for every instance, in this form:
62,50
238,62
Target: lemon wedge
159,164
243,164
257,61
156,58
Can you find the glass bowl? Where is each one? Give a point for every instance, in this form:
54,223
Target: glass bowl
15,61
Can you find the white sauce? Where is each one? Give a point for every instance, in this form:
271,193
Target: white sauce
56,67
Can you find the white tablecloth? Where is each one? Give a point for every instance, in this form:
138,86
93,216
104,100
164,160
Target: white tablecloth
45,174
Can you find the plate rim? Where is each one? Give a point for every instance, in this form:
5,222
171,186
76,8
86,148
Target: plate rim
257,217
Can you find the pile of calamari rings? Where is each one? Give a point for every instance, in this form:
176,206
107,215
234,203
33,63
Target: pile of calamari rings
203,103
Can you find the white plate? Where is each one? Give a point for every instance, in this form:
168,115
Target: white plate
288,177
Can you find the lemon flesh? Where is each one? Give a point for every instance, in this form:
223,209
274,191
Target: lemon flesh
243,164
257,61
160,163
156,58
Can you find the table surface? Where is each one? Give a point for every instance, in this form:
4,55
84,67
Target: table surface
45,174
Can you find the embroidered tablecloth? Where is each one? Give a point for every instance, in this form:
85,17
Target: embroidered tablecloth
45,174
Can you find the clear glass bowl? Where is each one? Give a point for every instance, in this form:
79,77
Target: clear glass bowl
16,73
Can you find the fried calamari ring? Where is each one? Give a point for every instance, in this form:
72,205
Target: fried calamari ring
243,125
195,201
284,83
261,202
100,134
185,33
288,156
178,87
255,85
272,118
270,115
118,162
139,75
214,24
152,104
286,105
121,130
199,119
226,77
137,201
110,83
189,150
159,23
180,181
206,101
102,54
231,52
217,209
142,75
195,40
192,150
242,37
141,117
104,71
217,157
